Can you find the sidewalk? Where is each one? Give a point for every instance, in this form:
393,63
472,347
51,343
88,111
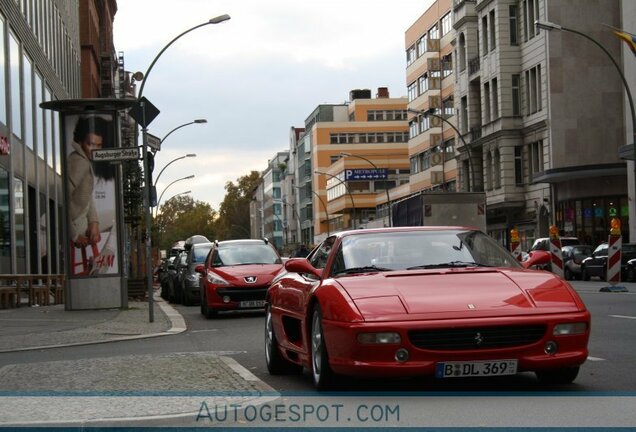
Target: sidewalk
119,389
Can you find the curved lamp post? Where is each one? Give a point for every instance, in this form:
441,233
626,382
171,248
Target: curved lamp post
166,188
386,185
549,26
431,112
144,131
172,161
353,205
323,205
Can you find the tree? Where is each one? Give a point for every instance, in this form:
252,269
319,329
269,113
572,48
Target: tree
181,217
234,211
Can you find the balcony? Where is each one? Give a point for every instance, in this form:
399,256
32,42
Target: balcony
473,66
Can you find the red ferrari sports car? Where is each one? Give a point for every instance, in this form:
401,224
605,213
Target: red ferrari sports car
441,301
236,275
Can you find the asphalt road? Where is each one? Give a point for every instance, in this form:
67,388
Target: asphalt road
240,336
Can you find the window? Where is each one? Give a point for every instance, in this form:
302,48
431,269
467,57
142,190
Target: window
413,130
493,40
487,103
448,108
447,65
410,55
536,157
3,107
39,117
519,166
464,114
461,51
488,171
516,95
5,223
433,33
27,80
446,24
412,91
533,90
496,169
14,76
484,34
530,13
276,193
514,24
414,165
449,149
495,99
421,45
423,83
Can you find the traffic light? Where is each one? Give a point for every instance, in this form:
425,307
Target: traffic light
152,191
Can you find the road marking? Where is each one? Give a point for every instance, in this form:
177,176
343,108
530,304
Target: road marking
623,316
590,358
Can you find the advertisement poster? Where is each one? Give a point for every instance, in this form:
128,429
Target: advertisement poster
92,196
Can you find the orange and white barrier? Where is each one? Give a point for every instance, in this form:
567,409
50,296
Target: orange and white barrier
614,246
555,251
515,244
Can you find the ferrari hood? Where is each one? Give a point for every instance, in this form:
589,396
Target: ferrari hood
459,293
243,275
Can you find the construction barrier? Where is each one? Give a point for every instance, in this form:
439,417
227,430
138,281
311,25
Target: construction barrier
614,245
515,244
555,251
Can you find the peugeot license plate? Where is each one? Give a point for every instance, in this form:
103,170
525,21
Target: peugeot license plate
252,304
475,368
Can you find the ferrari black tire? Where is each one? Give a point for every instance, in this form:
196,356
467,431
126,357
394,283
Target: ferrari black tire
558,376
323,376
276,363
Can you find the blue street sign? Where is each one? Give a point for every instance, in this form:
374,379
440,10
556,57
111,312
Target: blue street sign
366,174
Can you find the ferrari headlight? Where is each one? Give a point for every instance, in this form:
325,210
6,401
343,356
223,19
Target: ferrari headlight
379,338
569,329
215,279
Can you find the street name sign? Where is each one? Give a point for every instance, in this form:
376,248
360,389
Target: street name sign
366,174
116,154
154,142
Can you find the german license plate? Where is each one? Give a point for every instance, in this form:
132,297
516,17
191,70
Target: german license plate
475,368
252,304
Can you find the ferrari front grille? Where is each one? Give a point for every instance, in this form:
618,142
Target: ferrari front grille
472,338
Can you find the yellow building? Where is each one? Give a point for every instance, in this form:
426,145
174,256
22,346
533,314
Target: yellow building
357,157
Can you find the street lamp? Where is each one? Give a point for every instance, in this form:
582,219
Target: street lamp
166,188
144,132
431,112
549,26
353,205
161,228
323,205
386,185
195,121
172,161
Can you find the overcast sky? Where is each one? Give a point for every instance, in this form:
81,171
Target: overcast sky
255,76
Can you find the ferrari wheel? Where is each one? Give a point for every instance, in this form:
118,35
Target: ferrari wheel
321,372
276,364
558,376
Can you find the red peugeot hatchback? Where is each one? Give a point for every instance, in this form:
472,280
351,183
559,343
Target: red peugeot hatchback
236,275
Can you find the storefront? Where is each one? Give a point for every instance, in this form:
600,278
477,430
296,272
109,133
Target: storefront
589,219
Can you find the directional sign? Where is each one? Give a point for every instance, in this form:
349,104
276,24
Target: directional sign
116,154
143,112
366,174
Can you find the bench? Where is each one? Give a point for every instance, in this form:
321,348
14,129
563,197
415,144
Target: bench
38,287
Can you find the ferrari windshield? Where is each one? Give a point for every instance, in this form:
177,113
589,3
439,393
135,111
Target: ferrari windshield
419,249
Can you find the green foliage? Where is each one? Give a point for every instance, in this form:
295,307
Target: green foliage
181,217
234,211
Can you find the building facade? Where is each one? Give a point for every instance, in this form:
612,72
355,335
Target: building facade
40,54
529,107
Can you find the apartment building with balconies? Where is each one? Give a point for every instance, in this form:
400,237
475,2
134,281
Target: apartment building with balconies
542,115
357,158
